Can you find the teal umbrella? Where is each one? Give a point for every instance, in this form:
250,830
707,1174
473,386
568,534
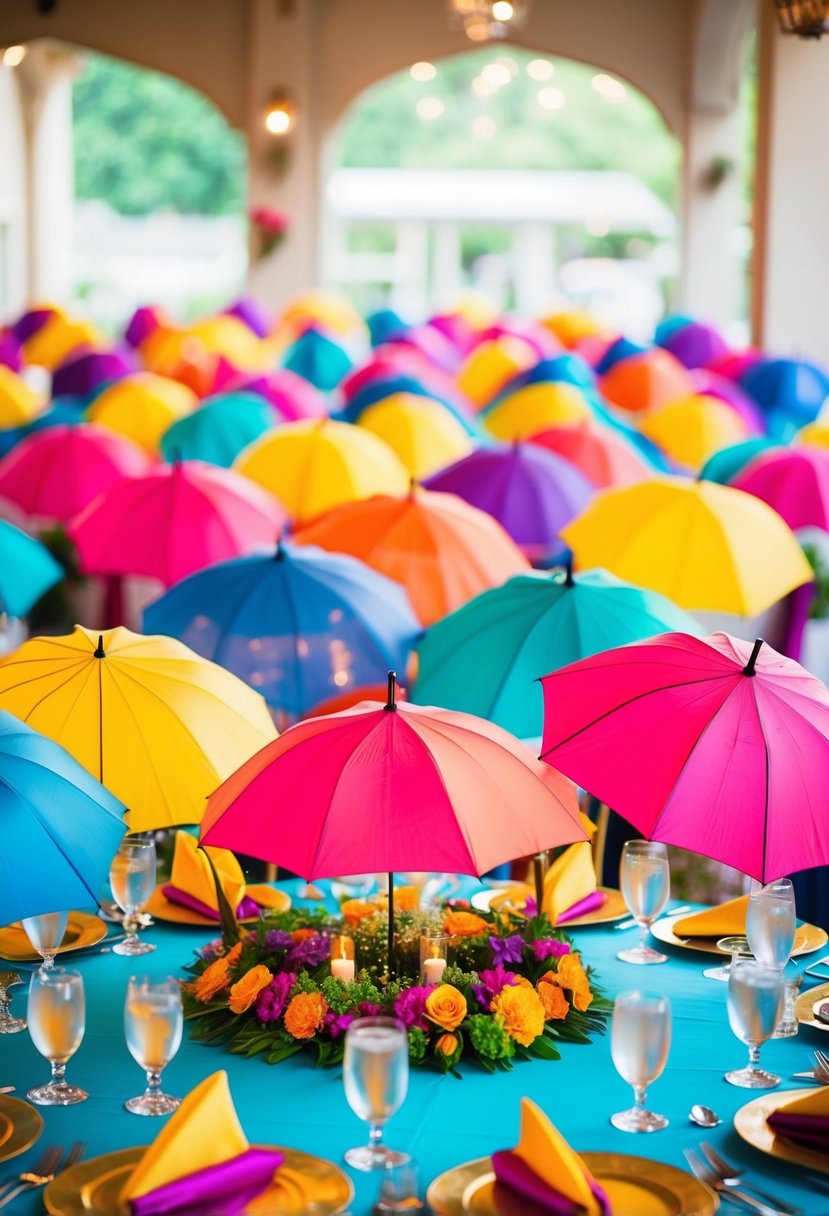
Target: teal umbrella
486,657
27,570
219,430
728,462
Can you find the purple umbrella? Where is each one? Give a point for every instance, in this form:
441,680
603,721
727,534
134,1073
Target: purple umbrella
142,323
294,397
709,384
83,373
694,344
10,355
253,314
532,492
30,323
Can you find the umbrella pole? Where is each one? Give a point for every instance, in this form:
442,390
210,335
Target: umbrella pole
391,967
538,874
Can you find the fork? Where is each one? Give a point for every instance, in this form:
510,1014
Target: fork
703,1172
822,1060
30,1181
820,962
44,1167
732,1176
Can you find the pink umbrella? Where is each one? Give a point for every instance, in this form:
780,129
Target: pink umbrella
709,744
58,471
795,481
294,397
174,520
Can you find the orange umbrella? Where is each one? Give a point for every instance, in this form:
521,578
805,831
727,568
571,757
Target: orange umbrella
441,549
602,455
646,381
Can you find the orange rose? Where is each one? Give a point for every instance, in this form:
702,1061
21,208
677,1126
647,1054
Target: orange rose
446,1007
522,1011
556,1006
304,1014
572,976
407,899
463,924
245,991
354,910
216,977
302,935
447,1044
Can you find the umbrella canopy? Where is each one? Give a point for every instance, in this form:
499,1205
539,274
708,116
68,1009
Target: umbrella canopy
230,337
439,548
814,434
572,326
693,428
64,412
58,338
293,397
253,314
486,658
602,455
60,470
314,466
421,431
534,408
709,744
619,348
11,355
704,546
491,364
795,481
27,570
318,358
725,464
157,724
298,626
60,827
220,429
174,520
709,384
83,373
554,369
792,387
694,344
644,382
18,402
142,407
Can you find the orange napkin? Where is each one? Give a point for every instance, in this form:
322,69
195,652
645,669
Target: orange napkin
726,920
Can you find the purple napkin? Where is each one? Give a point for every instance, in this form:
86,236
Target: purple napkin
218,1190
514,1173
809,1131
247,907
583,906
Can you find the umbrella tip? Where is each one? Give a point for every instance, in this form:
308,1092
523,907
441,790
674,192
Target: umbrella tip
412,486
100,653
392,682
569,581
748,670
279,556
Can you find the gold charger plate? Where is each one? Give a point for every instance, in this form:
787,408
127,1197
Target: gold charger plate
750,1123
805,1004
82,930
91,1188
807,938
634,1186
614,907
159,906
20,1126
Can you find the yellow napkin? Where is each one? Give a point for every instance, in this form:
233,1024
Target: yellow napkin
295,1192
723,921
204,1131
570,878
542,1147
815,1103
191,873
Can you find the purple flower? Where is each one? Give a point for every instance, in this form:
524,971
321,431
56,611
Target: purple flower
337,1023
369,1010
410,1007
549,947
276,940
492,982
212,950
507,949
309,953
272,1000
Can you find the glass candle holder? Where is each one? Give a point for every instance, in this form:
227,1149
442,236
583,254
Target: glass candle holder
433,959
342,958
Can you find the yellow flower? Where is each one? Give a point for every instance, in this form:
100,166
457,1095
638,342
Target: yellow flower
407,899
245,991
215,978
556,1006
304,1014
522,1011
463,924
354,910
446,1007
572,976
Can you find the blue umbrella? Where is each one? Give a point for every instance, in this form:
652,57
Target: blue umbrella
621,348
219,430
384,325
318,359
569,368
789,391
725,464
670,324
60,827
299,626
27,570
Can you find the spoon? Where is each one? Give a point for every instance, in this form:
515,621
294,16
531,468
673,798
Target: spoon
703,1116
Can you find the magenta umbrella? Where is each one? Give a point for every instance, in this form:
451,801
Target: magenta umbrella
294,397
708,744
795,481
174,520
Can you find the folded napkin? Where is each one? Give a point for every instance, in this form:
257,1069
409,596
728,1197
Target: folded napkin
191,883
200,1163
570,885
545,1170
726,920
805,1121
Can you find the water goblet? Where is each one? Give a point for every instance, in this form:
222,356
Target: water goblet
45,932
132,878
152,1025
755,999
640,1039
57,1019
376,1079
645,882
8,1023
770,923
736,947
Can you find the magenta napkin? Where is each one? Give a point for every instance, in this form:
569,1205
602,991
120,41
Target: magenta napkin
809,1131
513,1172
245,908
583,906
219,1190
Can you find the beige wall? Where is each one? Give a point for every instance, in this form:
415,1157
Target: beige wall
13,268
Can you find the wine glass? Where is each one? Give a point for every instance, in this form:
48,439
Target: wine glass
755,999
57,1019
45,932
770,923
376,1078
735,947
645,881
640,1039
8,1023
132,878
152,1025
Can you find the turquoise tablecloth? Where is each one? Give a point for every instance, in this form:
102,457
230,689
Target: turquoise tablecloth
444,1121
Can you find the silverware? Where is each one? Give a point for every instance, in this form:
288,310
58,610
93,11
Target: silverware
732,1176
7,1089
703,1116
42,1172
819,1078
705,1174
820,962
629,924
821,1060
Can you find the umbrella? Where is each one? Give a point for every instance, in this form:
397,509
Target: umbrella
694,344
157,724
602,455
63,412
534,408
10,352
573,325
314,466
81,374
725,464
383,324
814,434
704,546
318,358
18,402
531,492
708,744
693,428
60,827
491,364
142,407
384,377
58,338
253,314
227,336
144,321
619,348
709,384
58,471
390,787
293,397
486,658
219,429
439,548
327,308
27,570
32,320
795,481
421,431
554,369
298,626
794,388
644,382
674,320
174,520
733,365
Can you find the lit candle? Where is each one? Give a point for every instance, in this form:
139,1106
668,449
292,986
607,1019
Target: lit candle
433,969
342,968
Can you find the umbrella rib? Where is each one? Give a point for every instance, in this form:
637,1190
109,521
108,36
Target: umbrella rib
79,670
767,759
139,733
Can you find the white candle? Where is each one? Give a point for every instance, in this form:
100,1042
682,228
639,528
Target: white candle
433,969
343,969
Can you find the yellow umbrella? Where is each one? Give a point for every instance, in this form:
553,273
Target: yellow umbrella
491,364
705,546
142,407
18,402
158,726
534,408
165,346
572,326
313,466
58,338
815,434
228,336
324,308
693,428
420,430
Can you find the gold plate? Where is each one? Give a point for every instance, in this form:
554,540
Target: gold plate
159,906
750,1123
82,931
804,1007
614,907
807,938
20,1126
303,1182
635,1186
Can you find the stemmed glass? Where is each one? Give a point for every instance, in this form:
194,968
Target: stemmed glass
645,882
45,932
132,879
770,924
57,1019
755,998
735,947
152,1025
640,1039
376,1079
8,1023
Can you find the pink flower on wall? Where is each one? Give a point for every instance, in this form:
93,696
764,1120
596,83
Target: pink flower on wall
270,227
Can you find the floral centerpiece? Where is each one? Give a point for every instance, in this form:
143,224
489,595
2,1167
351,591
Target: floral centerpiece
514,988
